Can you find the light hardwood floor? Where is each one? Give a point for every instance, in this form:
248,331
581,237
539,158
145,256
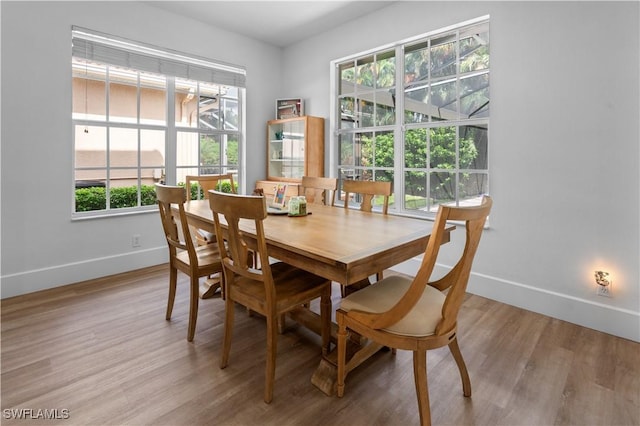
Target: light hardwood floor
103,351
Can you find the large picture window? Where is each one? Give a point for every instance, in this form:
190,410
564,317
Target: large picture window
417,114
124,142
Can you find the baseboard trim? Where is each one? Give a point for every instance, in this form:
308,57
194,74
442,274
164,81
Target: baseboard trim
598,316
45,278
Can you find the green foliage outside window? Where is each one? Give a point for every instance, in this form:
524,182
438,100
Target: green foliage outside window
89,199
210,151
442,157
198,194
379,152
95,198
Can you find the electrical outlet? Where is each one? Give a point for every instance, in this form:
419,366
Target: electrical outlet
135,240
604,290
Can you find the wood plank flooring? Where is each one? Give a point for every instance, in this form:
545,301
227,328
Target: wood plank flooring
101,353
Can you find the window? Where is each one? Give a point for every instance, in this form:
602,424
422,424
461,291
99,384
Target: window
207,129
431,141
124,142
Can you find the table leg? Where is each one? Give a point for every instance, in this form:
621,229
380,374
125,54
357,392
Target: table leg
209,287
359,350
325,377
311,320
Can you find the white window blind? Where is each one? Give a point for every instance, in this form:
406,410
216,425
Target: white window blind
104,48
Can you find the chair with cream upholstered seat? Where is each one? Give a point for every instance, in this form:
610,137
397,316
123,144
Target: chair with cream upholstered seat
416,314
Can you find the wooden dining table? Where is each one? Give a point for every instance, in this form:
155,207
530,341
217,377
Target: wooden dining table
343,245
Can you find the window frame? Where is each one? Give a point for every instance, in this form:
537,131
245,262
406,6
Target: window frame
108,125
400,128
91,46
223,135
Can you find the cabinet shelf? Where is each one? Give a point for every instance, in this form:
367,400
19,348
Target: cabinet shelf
295,148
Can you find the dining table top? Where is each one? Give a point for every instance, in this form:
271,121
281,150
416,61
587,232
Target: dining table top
343,245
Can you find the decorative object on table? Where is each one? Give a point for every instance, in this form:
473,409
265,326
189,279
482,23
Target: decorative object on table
289,108
279,199
298,206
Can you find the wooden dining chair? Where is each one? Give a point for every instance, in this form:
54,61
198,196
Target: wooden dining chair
367,190
184,255
416,314
319,190
209,182
273,290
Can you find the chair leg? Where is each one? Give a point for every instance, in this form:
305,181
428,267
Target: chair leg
272,349
342,355
325,318
193,308
422,389
223,290
173,280
228,329
464,374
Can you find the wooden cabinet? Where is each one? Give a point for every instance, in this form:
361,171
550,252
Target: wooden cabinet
295,148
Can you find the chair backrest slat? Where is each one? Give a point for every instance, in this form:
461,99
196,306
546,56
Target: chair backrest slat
319,190
235,208
208,182
168,197
368,191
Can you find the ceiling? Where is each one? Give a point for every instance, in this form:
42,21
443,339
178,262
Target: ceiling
279,23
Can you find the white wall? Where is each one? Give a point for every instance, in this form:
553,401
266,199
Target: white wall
564,147
41,246
564,139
